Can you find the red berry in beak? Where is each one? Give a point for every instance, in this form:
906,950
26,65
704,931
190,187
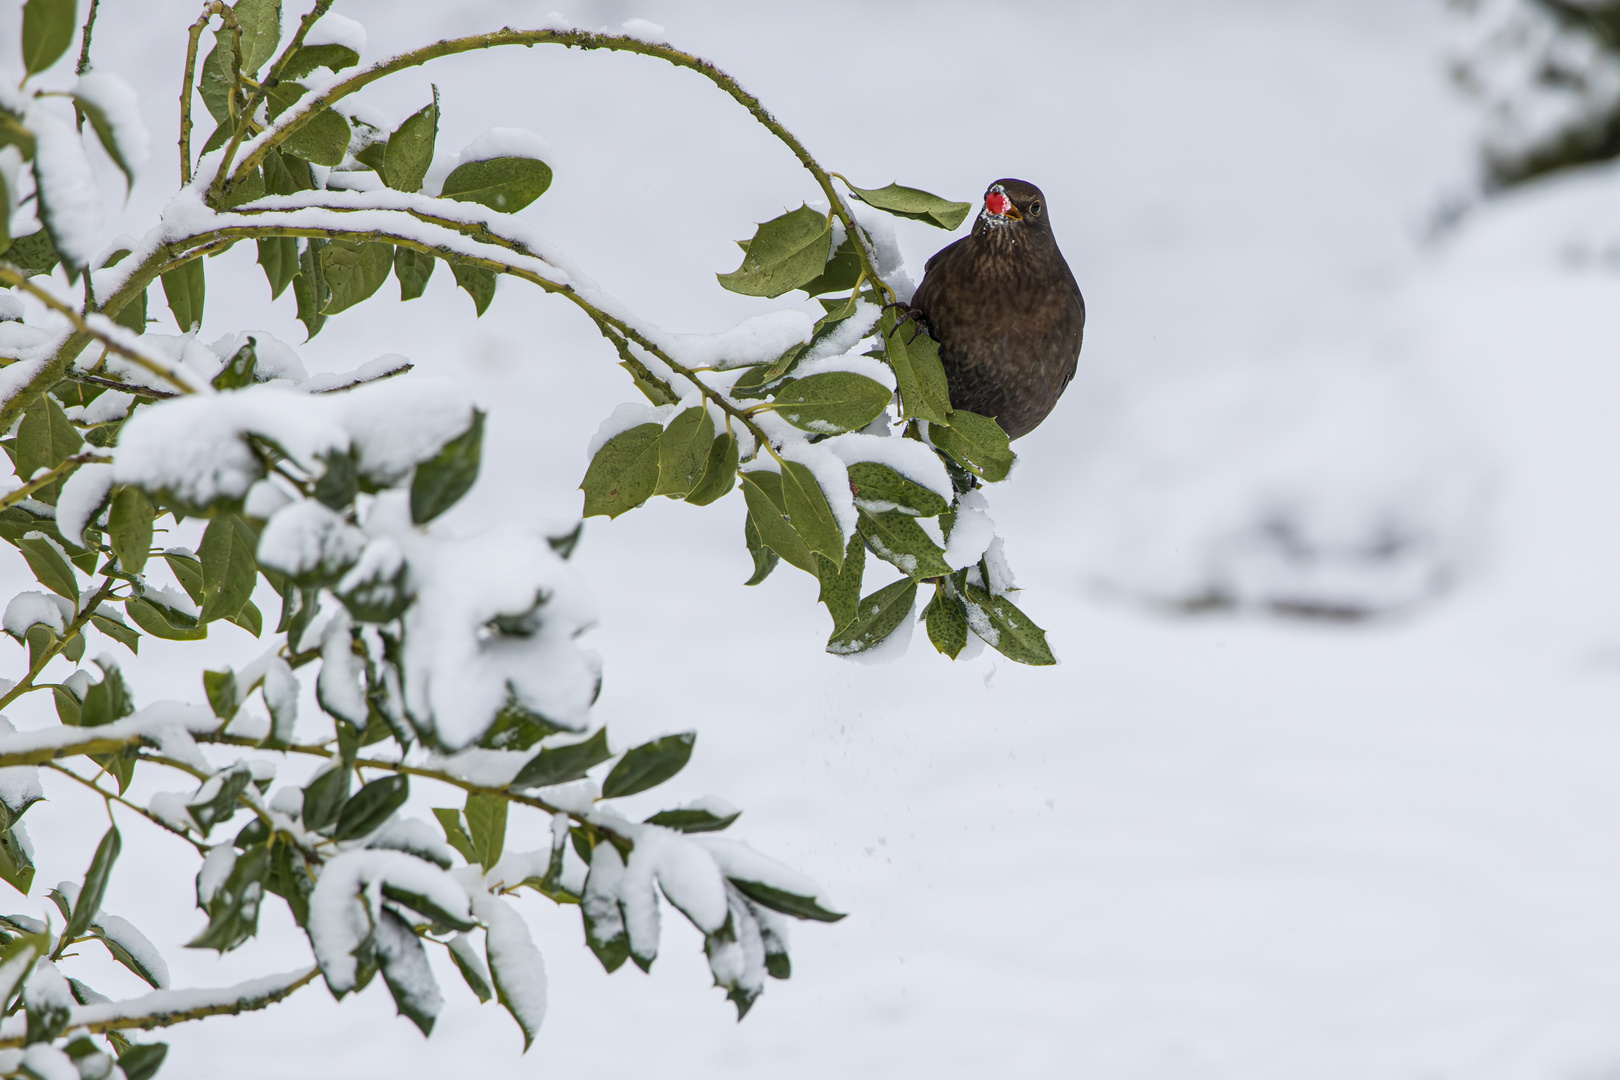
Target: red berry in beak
997,203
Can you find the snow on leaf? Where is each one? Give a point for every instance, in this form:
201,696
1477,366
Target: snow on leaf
518,969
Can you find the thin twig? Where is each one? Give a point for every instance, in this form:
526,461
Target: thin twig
84,42
202,849
12,498
15,275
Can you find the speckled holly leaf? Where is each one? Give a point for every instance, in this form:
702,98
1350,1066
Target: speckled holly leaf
1006,629
977,443
878,616
878,488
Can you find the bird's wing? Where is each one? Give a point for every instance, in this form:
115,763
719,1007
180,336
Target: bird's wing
944,251
939,260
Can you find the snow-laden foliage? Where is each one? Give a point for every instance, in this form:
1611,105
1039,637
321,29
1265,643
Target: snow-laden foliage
437,659
1546,74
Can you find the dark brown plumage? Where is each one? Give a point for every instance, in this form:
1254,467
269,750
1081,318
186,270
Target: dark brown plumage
1005,310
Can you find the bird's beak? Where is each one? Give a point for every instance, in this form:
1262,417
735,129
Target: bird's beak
1012,212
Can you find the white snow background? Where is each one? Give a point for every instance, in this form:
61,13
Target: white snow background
1223,846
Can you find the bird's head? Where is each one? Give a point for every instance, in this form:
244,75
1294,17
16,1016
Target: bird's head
1012,204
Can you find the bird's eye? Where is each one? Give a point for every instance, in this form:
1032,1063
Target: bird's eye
1035,208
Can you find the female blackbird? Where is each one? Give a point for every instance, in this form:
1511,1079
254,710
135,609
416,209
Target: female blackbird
1005,310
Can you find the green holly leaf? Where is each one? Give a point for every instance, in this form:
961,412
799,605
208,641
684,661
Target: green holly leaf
767,514
624,472
977,443
648,765
785,253
683,451
878,488
915,204
506,184
832,402
879,615
914,356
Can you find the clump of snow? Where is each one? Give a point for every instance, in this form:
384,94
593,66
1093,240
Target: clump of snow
630,414
516,965
73,210
273,358
972,532
124,934
116,100
341,683
337,30
460,674
36,608
756,340
194,446
306,539
505,142
644,30
347,902
215,871
264,498
908,457
833,477
19,784
84,494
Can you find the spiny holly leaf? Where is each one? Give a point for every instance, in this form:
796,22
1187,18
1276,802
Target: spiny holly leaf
1006,629
94,888
785,253
842,271
477,282
765,559
310,288
412,268
279,257
238,370
229,567
260,22
841,587
800,907
915,204
371,806
946,619
311,57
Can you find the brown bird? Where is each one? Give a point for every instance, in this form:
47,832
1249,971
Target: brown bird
1005,310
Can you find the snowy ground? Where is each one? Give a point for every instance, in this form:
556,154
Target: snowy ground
1221,846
